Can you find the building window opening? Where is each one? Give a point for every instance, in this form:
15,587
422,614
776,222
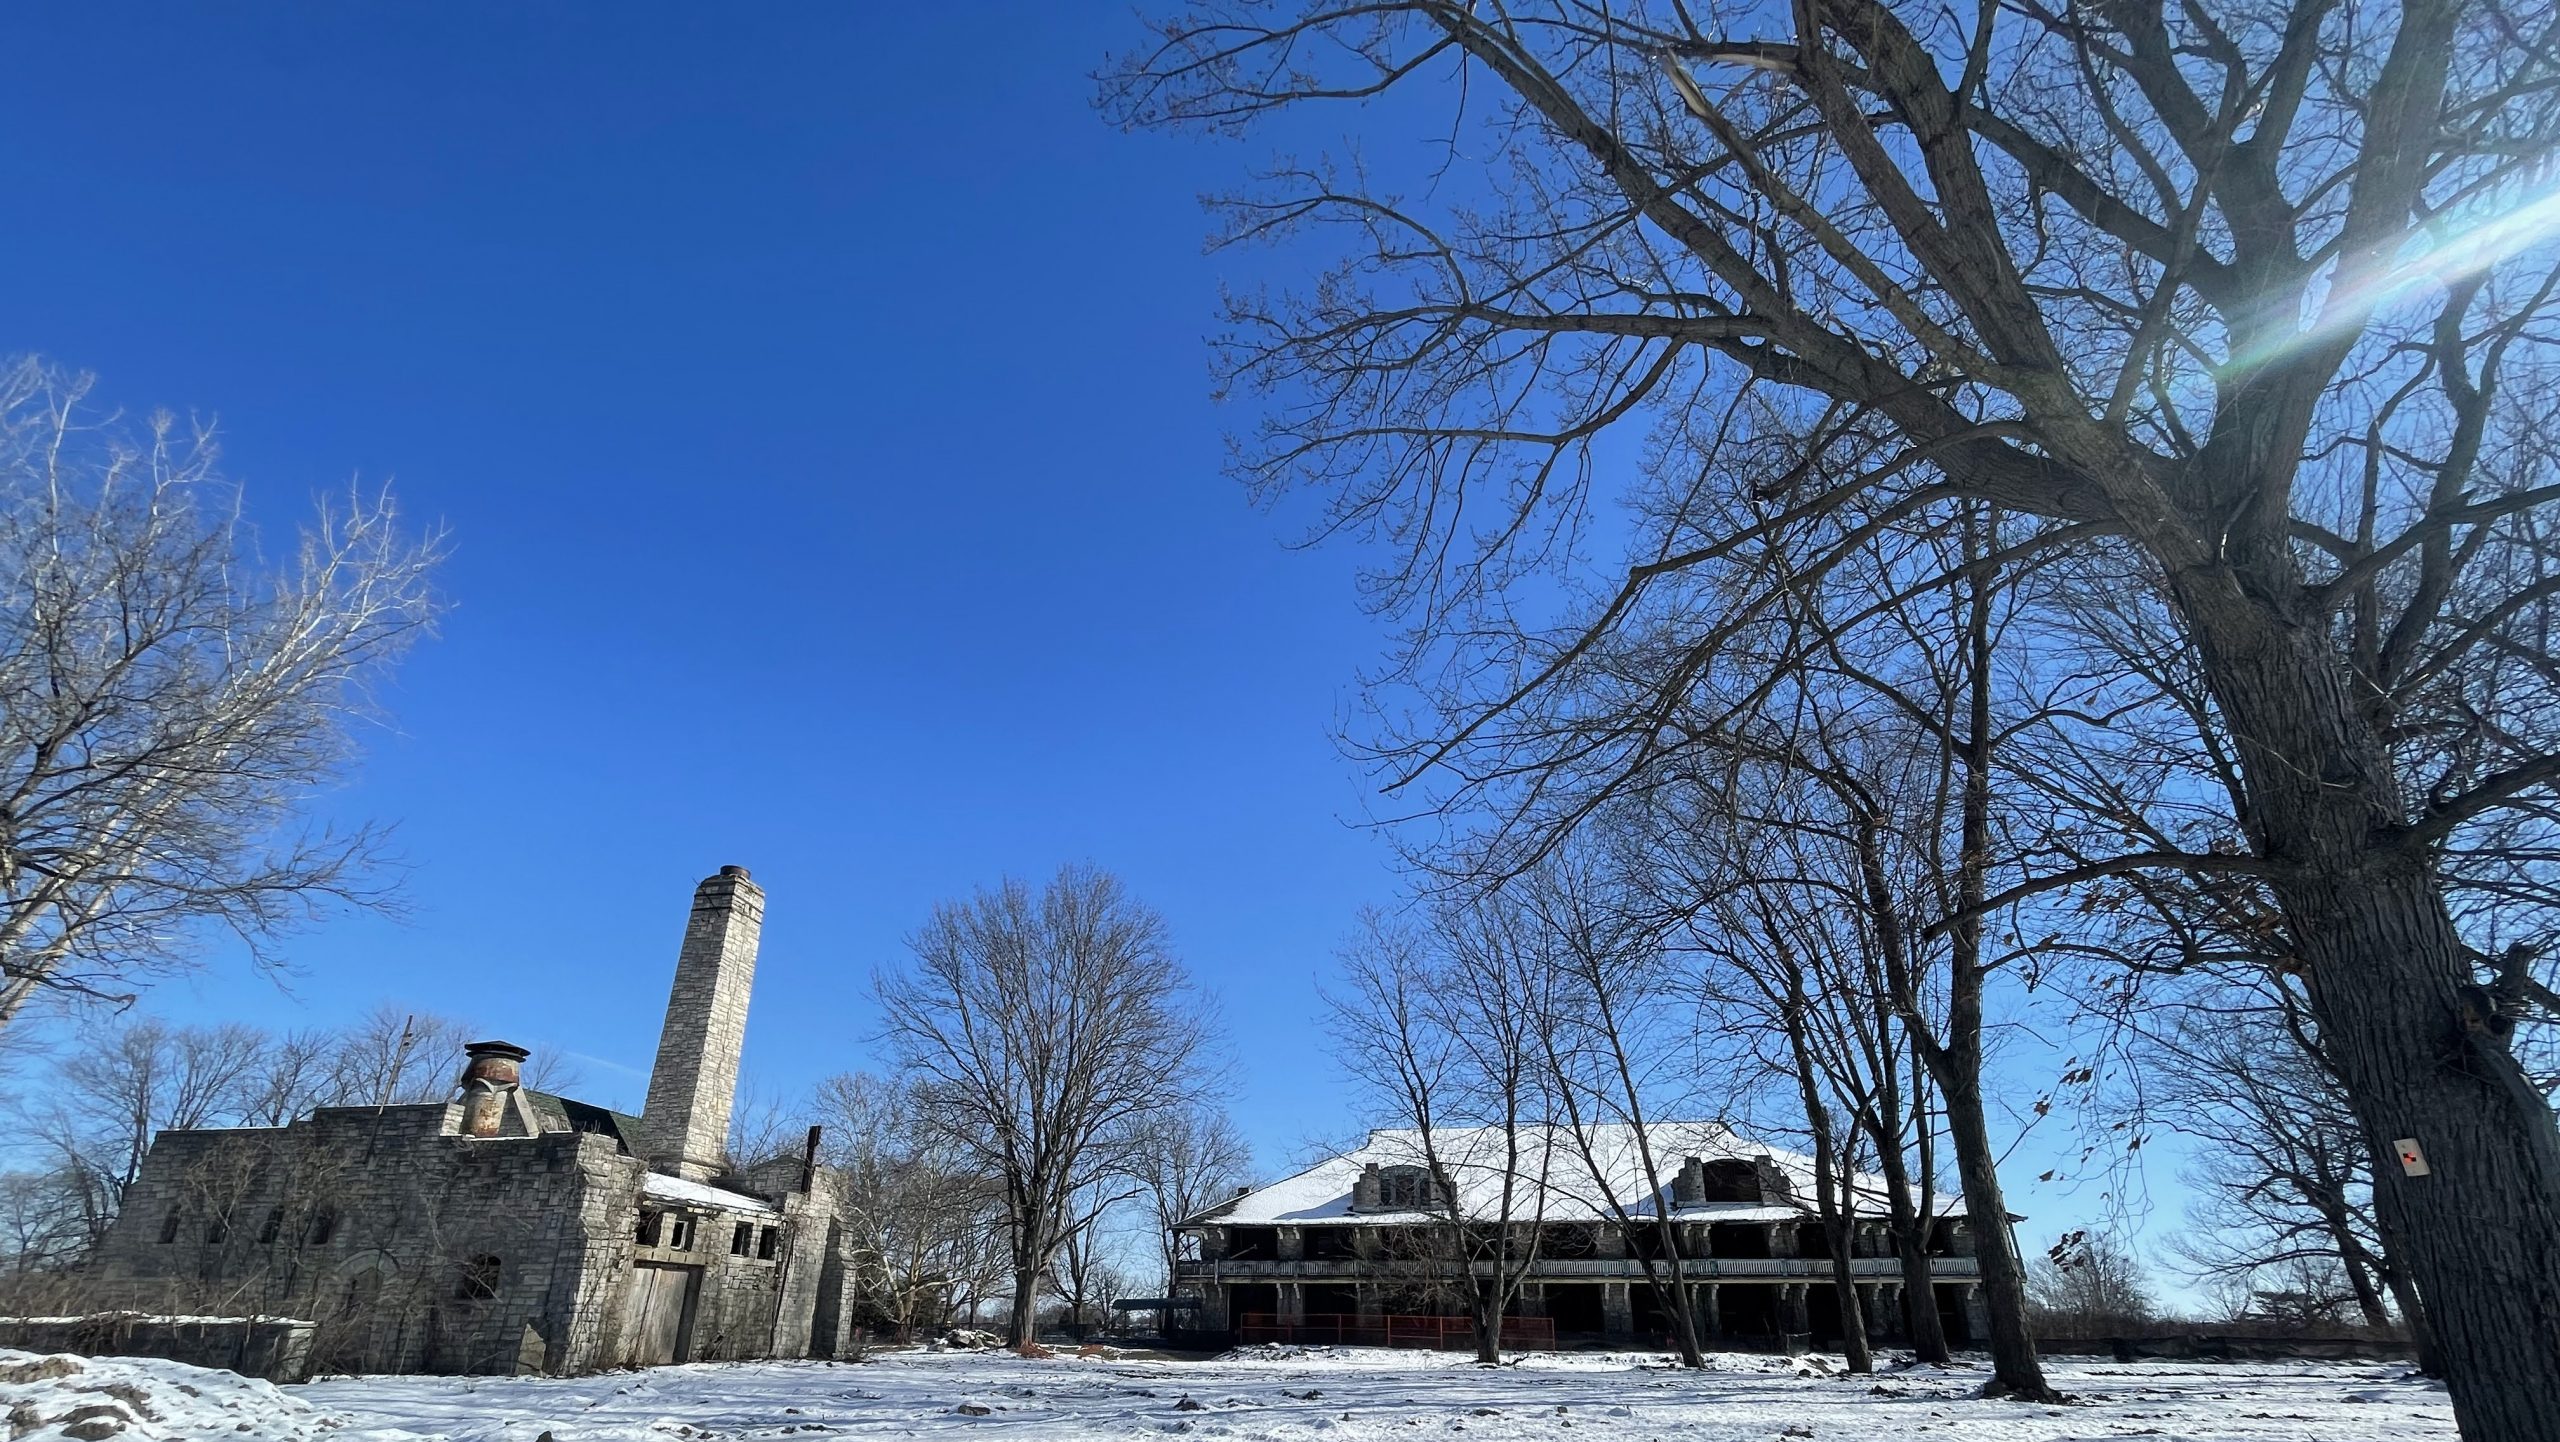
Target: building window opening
680,1232
1407,1188
769,1243
272,1227
479,1279
219,1228
170,1224
742,1239
324,1225
647,1232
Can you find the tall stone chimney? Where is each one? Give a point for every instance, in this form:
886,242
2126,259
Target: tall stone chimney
695,1078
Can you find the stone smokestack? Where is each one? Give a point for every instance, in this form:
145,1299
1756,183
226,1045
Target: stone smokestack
695,1078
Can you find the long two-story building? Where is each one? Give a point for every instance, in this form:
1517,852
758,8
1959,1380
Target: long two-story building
1334,1251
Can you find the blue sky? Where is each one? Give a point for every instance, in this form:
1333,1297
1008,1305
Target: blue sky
818,402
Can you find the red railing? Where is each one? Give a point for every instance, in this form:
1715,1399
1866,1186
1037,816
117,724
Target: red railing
1448,1334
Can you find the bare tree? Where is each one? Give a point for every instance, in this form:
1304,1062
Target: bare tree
168,700
118,1090
2282,1180
2089,1284
1438,1022
2251,300
923,1227
1186,1161
1048,1031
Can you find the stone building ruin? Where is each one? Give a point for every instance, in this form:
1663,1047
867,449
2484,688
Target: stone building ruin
507,1229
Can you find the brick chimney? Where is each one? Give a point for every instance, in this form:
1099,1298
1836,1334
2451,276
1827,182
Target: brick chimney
695,1078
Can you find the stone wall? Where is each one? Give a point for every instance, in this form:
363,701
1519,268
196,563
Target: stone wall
410,1248
276,1348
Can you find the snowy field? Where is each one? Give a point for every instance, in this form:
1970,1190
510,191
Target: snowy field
1276,1393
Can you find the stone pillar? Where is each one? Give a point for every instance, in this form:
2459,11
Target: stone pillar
1782,1239
1877,1305
1710,1318
1977,1315
1213,1313
1293,1304
1608,1240
1617,1310
1795,1320
1533,1299
695,1079
1292,1244
1372,1306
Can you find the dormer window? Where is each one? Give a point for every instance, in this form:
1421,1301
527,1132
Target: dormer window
1404,1188
1396,1189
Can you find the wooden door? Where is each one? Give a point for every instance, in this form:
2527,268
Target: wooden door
657,1327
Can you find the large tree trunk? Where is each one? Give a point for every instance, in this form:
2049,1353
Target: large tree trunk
2401,1019
2016,1370
1956,1065
1911,1245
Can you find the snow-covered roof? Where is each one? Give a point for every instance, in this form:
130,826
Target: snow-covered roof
1553,1179
701,1194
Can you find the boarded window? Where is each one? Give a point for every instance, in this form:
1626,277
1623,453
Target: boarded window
170,1224
742,1237
769,1245
274,1224
479,1279
324,1225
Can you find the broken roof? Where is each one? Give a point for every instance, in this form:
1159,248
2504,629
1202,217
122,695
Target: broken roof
1553,1180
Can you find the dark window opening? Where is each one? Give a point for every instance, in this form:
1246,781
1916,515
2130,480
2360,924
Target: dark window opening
647,1232
1575,1309
170,1224
680,1232
1253,1244
1739,1239
1730,1179
324,1225
742,1237
274,1224
1566,1242
769,1244
1333,1299
479,1279
218,1229
1330,1244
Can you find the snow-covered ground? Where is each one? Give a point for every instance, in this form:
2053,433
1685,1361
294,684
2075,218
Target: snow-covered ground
1352,1395
1287,1394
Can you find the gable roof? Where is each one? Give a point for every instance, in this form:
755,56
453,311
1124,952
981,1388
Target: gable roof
1552,1179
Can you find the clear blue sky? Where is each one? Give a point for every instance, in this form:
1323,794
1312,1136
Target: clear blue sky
818,400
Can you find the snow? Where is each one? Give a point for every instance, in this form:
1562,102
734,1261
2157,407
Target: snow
142,1399
1475,1158
1354,1395
677,1189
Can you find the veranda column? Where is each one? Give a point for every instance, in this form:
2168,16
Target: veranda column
1617,1311
1794,1320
